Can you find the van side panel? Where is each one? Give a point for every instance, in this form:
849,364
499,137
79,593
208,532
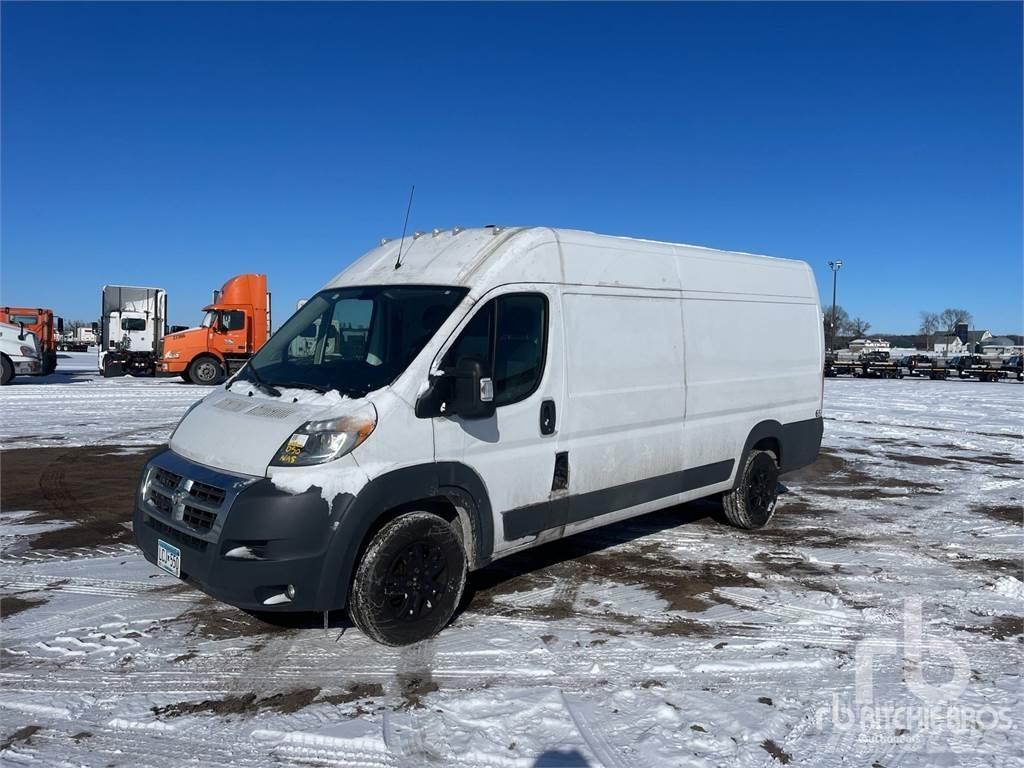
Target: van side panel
747,361
625,400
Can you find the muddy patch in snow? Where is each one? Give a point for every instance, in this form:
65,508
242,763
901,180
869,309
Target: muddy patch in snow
20,736
245,705
1007,513
414,686
355,692
91,488
216,621
11,605
1000,628
603,556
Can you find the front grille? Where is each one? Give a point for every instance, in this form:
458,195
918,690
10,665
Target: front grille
168,480
198,519
177,498
179,537
207,494
161,502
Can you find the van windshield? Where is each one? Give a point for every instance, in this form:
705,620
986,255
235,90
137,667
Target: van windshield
354,340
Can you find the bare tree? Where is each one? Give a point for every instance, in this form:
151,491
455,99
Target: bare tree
930,323
949,319
842,320
858,327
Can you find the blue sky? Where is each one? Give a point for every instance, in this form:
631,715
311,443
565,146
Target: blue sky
177,145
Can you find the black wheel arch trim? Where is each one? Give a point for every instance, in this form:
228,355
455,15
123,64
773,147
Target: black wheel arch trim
354,518
799,442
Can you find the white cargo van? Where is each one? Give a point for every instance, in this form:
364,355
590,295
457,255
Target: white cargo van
490,390
19,353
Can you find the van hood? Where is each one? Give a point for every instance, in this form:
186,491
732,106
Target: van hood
236,431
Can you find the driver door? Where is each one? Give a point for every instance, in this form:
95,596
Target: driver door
515,332
233,333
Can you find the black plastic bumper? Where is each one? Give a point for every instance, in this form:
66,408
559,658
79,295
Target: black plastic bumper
286,540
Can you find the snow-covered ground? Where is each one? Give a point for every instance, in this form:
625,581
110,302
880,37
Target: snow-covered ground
670,640
75,406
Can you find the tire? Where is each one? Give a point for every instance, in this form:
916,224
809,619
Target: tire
752,502
111,369
7,372
185,377
49,364
206,370
388,600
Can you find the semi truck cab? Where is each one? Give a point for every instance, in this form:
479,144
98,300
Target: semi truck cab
19,352
46,326
234,327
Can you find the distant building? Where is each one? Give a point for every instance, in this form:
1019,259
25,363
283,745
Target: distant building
961,342
1001,345
857,346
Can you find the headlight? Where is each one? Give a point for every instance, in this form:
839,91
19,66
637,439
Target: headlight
316,442
28,351
172,355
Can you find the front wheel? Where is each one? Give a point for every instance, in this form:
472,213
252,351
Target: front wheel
751,503
7,372
206,370
409,581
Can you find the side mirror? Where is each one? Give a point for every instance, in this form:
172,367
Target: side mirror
21,335
473,392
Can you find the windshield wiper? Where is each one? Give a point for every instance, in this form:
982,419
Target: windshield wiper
249,374
302,385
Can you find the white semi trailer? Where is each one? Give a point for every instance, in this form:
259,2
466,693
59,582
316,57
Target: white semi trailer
133,322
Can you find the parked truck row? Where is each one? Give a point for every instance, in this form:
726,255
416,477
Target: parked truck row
878,364
133,336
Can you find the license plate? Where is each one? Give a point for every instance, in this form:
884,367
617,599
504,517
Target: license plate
168,557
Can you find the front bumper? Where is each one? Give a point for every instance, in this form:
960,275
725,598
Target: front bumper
27,367
278,539
172,367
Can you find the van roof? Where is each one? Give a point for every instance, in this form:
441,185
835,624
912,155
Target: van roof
480,258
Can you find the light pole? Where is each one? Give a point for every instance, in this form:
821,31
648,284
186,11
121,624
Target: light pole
835,266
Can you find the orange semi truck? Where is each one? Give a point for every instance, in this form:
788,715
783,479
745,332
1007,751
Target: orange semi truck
44,324
236,324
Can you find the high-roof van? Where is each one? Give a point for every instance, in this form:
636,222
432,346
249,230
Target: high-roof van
459,395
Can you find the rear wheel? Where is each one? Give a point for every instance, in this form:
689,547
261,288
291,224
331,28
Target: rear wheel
409,581
7,372
751,503
113,368
206,370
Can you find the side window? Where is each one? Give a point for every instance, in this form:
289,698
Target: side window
519,346
233,320
474,341
508,336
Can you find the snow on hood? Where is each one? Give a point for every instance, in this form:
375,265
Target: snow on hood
241,429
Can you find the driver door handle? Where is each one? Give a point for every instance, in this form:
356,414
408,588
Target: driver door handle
547,417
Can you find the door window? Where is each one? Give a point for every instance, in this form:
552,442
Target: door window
232,320
508,336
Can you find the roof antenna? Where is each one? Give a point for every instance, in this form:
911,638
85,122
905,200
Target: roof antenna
398,261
